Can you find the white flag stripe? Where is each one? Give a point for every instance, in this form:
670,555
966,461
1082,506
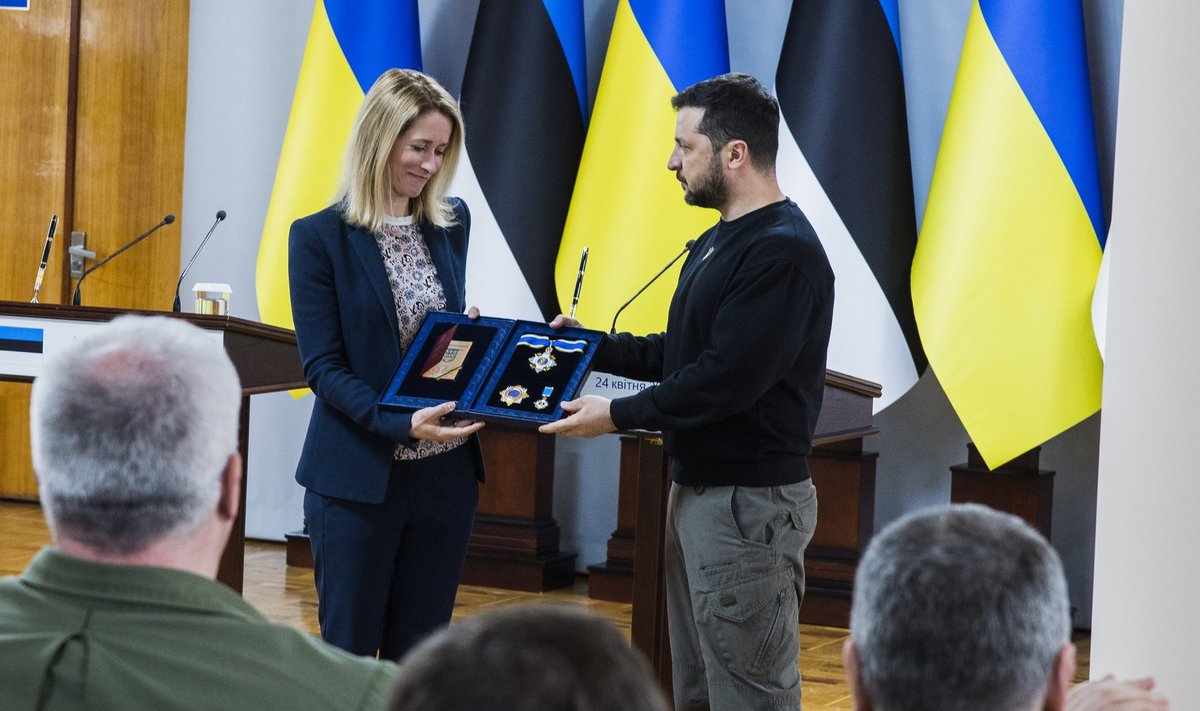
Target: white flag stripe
1100,297
867,341
494,281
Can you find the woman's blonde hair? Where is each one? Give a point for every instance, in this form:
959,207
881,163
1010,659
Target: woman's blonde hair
397,99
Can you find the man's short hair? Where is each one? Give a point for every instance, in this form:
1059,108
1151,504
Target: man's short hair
132,427
958,608
736,106
527,657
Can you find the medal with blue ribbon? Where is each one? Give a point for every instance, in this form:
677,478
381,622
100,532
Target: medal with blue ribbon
544,402
541,362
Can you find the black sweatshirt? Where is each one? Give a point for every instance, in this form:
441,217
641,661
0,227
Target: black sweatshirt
742,362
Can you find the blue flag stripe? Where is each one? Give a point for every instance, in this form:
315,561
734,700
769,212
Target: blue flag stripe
688,37
376,35
567,18
1043,44
19,333
891,10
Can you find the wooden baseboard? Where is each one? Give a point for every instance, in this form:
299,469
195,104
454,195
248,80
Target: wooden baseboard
826,604
526,573
611,582
299,552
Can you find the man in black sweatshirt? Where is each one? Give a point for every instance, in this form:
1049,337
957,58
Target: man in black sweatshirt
741,370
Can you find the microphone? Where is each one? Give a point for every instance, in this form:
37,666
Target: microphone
165,221
220,216
41,272
686,247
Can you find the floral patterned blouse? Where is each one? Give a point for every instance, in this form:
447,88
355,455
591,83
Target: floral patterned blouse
417,291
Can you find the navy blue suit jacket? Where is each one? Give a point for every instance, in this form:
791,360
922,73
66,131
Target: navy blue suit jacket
346,327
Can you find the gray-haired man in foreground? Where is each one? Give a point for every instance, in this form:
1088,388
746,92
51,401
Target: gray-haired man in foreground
135,448
963,608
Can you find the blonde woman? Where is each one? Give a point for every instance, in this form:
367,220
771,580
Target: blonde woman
390,496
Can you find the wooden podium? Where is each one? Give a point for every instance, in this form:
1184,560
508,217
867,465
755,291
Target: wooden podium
845,479
1019,487
266,359
514,544
612,580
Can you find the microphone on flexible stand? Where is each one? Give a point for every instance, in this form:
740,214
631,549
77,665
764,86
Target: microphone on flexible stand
165,221
686,247
220,217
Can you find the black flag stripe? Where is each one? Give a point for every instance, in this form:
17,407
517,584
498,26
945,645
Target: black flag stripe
525,130
841,91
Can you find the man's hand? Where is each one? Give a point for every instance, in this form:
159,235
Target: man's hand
1108,694
427,424
563,321
589,416
473,313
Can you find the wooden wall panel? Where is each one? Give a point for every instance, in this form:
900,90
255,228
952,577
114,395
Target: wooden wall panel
35,48
16,473
34,56
129,145
92,105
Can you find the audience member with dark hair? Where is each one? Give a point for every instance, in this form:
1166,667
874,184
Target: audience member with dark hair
135,432
963,608
540,657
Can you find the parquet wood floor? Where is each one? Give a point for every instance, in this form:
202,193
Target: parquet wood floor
287,596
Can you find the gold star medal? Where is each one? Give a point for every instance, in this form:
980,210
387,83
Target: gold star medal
513,395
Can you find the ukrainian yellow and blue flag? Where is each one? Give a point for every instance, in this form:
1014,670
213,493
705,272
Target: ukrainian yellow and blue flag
1013,231
350,43
627,208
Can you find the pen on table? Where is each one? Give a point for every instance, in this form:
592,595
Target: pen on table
37,283
578,282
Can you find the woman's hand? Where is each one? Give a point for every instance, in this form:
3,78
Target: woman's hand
427,424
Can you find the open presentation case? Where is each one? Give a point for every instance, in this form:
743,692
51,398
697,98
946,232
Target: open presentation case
510,372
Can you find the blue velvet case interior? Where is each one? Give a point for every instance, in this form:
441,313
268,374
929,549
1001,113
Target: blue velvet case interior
514,373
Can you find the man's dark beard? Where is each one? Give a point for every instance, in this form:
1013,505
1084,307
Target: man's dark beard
712,192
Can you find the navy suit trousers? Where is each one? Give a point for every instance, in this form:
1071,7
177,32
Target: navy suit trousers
387,573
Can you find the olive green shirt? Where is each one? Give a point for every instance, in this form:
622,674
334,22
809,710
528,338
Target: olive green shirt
81,635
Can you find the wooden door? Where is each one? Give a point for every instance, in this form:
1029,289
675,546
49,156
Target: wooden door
92,106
